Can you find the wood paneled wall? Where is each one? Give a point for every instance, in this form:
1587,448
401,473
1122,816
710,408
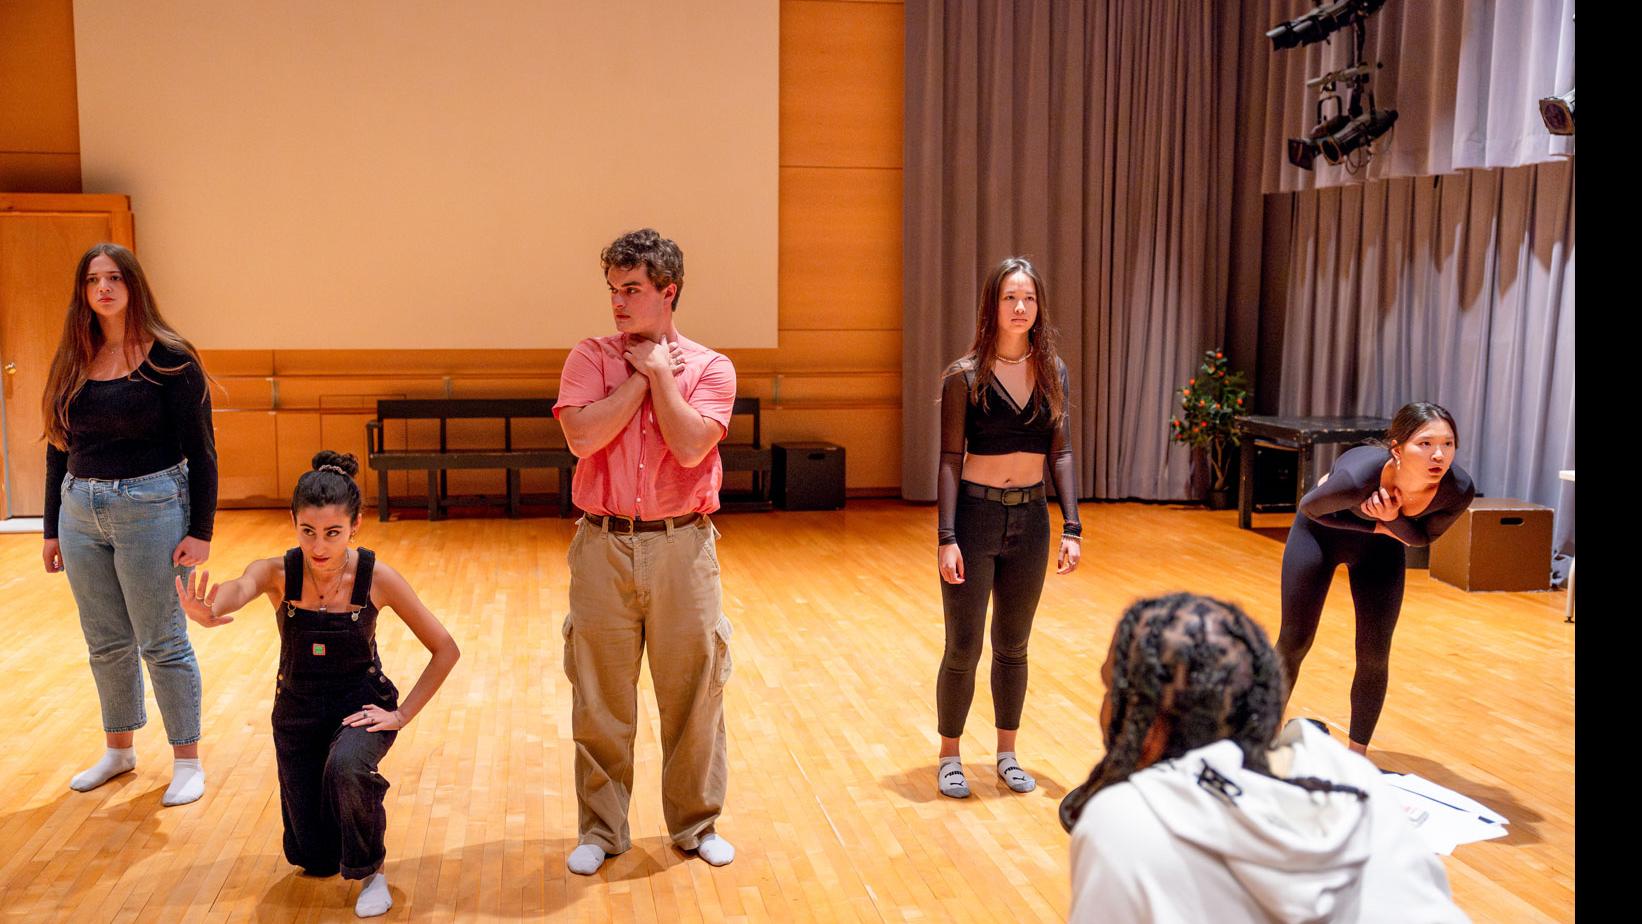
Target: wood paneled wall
39,113
836,374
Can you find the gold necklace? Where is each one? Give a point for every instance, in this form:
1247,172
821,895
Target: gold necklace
1013,362
341,575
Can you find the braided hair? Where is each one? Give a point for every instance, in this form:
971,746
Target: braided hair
330,482
1204,666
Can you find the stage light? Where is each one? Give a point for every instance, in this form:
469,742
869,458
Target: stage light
1320,23
1358,132
1303,151
1558,113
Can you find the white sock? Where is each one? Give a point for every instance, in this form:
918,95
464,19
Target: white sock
1013,776
585,860
374,898
715,850
115,762
949,776
187,782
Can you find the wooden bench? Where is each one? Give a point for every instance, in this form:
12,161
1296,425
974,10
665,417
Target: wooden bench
438,462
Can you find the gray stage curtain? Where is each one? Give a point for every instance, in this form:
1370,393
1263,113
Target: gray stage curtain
1103,141
1456,289
1465,77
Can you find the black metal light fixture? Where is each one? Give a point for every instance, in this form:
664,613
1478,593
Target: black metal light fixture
1353,127
1302,151
1320,23
1362,130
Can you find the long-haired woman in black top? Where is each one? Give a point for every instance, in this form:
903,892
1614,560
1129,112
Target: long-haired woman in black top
1003,413
1401,491
131,493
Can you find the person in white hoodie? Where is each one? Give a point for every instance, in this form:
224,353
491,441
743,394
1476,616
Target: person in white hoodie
1197,814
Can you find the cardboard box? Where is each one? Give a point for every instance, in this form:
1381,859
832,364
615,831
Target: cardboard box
1498,544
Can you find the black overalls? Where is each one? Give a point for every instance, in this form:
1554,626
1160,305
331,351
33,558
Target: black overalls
329,791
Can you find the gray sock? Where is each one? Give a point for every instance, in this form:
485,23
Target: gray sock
586,859
1016,778
950,777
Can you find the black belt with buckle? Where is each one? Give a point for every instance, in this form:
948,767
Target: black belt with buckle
1009,497
621,524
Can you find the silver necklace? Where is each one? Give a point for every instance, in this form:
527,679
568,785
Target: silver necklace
341,575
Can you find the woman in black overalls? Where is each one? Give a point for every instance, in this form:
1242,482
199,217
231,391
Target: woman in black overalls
335,712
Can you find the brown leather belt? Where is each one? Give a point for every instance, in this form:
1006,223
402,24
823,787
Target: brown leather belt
621,524
1009,497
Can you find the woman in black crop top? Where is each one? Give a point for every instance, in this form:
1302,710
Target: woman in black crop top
335,712
131,492
1003,413
1377,500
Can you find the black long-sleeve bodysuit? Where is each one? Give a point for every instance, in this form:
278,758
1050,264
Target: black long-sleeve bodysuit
1329,531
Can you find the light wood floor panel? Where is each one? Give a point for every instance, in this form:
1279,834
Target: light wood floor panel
831,719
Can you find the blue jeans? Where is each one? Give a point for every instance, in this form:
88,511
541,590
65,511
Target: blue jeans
117,537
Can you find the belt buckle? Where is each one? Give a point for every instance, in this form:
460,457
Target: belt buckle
632,523
1014,497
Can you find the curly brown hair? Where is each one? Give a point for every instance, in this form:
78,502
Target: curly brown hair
662,259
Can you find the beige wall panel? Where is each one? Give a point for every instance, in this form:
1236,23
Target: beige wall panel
841,84
877,388
429,175
234,392
247,462
39,173
297,438
417,362
840,249
824,351
38,112
518,386
222,363
870,437
341,391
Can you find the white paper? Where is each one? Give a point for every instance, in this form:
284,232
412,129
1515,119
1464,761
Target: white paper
1445,819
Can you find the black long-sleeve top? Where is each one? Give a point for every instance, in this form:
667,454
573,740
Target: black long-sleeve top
1356,476
143,423
996,427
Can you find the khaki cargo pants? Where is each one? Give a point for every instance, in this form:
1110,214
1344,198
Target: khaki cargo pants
628,591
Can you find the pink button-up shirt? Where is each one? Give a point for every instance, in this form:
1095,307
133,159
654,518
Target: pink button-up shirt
635,474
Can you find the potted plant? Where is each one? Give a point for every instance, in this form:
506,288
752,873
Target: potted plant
1208,403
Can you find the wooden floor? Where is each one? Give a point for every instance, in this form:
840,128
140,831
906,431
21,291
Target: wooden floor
832,803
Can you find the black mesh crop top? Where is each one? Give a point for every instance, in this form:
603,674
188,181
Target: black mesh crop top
996,427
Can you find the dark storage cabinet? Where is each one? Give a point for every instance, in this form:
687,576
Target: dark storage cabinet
809,476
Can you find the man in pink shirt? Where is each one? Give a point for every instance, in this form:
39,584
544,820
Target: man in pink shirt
643,410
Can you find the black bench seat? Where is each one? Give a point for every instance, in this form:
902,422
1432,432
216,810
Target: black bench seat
437,461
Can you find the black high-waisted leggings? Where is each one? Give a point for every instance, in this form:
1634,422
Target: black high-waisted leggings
1376,566
1005,552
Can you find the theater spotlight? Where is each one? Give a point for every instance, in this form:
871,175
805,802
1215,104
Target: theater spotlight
1558,113
1302,151
1358,132
1317,25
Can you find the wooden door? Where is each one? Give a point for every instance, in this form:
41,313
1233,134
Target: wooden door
41,239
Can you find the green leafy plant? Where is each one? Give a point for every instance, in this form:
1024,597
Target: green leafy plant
1208,403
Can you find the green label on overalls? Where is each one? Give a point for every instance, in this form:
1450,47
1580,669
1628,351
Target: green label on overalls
319,650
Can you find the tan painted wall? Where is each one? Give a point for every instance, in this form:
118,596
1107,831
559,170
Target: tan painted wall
836,372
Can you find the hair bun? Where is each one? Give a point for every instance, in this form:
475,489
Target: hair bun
344,463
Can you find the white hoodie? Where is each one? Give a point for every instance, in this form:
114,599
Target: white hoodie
1201,839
